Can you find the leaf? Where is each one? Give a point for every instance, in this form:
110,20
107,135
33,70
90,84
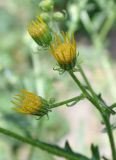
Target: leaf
67,147
95,152
105,158
113,106
53,149
113,126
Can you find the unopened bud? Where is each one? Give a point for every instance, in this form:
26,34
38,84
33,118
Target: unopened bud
29,103
64,51
40,32
46,5
58,16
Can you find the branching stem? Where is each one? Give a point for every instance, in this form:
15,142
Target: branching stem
94,100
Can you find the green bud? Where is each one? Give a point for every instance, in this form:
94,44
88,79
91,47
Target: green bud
45,16
40,32
58,16
46,5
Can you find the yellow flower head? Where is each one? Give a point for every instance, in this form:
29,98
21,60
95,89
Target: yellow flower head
64,51
40,32
30,103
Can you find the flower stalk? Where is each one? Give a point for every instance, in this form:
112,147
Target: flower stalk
31,104
105,118
94,100
66,102
53,149
84,91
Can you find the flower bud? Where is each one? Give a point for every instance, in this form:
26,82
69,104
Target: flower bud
40,32
64,51
46,5
58,16
30,104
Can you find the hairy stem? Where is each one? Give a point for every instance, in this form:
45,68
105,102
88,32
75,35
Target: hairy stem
110,135
105,118
45,146
74,99
87,95
102,102
94,101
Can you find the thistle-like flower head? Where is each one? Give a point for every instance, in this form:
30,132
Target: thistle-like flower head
64,51
40,32
29,103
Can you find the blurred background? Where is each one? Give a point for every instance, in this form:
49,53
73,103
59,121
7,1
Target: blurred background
23,65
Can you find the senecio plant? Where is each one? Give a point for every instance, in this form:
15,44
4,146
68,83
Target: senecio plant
63,48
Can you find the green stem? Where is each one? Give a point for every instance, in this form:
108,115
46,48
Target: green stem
106,119
102,103
110,135
45,146
95,102
74,99
89,86
86,80
87,95
113,105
